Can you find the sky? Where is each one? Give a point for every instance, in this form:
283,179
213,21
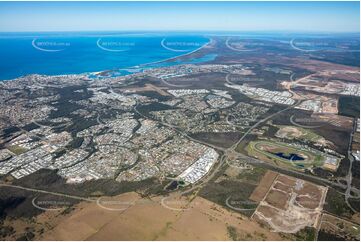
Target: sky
180,16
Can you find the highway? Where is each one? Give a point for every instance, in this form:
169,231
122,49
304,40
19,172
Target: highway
48,192
226,153
349,174
256,162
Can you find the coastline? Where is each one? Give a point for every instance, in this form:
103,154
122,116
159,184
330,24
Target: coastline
140,66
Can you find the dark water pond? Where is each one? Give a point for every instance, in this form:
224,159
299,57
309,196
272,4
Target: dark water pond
291,157
174,185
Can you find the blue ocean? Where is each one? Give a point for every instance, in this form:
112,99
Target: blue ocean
74,53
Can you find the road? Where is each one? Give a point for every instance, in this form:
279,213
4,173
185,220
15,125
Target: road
234,146
172,85
348,177
48,192
232,152
225,155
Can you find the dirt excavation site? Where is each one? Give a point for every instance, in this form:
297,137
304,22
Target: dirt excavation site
291,204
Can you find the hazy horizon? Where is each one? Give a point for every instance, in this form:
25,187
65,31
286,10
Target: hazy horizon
335,17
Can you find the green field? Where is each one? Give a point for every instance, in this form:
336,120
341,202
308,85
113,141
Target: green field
266,150
17,150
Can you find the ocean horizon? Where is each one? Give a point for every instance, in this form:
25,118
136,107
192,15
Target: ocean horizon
59,53
81,52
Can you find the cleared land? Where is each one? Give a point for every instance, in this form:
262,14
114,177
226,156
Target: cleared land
263,187
335,120
291,205
147,219
293,132
148,87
